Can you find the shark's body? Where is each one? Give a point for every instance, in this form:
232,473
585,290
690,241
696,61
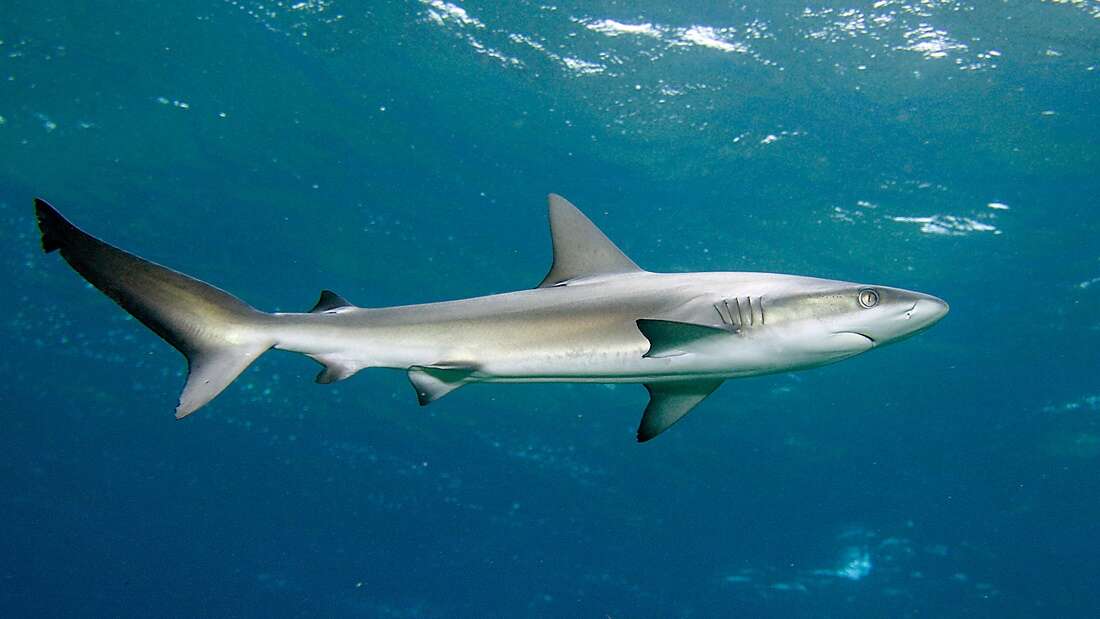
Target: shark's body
596,317
586,331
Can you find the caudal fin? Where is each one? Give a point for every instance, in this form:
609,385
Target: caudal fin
219,334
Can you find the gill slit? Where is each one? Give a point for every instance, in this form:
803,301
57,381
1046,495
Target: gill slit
729,313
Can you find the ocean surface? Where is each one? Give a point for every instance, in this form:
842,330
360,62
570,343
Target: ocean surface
401,151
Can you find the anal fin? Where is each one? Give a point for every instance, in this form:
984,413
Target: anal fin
432,382
335,369
669,402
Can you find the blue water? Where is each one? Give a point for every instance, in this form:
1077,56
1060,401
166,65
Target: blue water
400,151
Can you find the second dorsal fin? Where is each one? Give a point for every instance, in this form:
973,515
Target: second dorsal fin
329,301
580,249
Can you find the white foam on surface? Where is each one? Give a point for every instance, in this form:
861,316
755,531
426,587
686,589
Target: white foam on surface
948,225
613,28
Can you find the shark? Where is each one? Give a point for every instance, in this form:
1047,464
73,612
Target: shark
596,317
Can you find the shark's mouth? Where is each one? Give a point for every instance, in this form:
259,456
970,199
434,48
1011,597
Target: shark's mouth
863,335
873,340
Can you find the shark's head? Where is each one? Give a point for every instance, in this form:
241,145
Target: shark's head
834,320
886,315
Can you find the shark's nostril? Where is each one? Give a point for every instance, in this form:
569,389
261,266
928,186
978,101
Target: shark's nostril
912,308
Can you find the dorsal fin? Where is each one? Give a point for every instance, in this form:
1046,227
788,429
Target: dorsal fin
580,249
329,301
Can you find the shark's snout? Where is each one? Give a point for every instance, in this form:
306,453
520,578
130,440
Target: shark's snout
928,310
919,312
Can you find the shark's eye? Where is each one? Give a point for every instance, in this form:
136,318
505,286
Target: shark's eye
868,298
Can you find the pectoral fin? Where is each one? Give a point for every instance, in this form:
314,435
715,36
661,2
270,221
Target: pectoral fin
432,382
668,338
669,402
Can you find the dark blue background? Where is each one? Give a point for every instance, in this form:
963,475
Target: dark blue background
400,152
